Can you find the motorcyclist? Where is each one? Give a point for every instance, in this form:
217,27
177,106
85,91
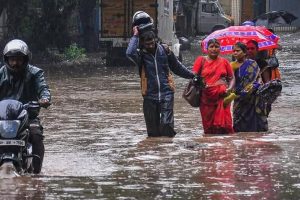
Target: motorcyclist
24,82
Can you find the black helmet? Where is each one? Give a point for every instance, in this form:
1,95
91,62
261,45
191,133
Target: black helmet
141,17
143,21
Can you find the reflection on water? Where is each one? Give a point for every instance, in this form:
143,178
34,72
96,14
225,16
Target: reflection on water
96,145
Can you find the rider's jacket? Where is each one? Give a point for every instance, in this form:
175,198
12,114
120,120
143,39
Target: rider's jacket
156,78
30,86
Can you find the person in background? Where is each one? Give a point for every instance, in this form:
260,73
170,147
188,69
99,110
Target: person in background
24,82
219,78
155,63
252,53
273,61
249,111
270,75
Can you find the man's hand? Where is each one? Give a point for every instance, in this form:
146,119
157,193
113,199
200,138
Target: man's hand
167,48
44,103
198,80
135,30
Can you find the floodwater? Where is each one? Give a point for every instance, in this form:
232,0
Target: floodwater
97,148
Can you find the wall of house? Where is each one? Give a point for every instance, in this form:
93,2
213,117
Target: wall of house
292,6
226,5
247,10
243,10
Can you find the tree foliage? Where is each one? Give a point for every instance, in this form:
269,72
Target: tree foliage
87,18
42,23
73,52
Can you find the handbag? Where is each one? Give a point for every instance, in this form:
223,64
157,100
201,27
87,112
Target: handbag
273,62
192,92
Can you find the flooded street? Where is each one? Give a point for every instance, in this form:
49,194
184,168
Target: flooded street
97,146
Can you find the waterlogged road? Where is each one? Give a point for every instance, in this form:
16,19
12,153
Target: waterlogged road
96,144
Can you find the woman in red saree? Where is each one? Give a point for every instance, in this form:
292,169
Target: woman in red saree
219,78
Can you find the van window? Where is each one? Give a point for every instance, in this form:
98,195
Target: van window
210,8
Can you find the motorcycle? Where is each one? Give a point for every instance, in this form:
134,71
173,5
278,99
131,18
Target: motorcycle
15,149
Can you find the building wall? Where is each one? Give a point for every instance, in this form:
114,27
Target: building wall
247,10
292,6
226,5
243,10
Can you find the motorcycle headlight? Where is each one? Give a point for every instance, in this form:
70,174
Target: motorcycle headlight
9,128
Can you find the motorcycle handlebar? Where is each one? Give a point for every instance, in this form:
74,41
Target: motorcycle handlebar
35,105
31,104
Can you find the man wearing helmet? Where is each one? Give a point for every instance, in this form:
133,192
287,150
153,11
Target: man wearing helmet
23,82
155,62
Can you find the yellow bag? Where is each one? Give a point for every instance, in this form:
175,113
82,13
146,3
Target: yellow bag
229,98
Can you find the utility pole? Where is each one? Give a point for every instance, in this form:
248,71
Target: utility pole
236,11
267,5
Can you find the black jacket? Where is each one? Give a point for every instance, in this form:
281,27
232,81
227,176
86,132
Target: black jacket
30,86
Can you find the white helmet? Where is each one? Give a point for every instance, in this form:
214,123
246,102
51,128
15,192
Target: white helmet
16,48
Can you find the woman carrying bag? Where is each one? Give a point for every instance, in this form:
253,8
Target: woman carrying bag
249,109
219,78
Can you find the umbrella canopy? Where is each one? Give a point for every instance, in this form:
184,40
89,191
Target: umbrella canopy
233,34
276,17
248,23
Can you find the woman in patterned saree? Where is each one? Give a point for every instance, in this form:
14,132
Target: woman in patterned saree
249,111
218,76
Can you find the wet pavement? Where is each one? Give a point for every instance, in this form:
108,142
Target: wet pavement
96,144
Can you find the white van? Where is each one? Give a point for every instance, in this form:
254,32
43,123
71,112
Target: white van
208,16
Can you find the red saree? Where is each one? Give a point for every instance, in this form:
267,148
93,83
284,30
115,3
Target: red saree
215,118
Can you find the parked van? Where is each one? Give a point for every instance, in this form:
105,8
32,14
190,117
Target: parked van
209,16
203,16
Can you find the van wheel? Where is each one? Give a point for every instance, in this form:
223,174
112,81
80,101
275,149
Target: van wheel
218,27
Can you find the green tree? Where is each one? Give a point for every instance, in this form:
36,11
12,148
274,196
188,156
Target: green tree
51,28
42,23
16,17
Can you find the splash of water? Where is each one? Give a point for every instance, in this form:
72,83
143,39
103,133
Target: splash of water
8,170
